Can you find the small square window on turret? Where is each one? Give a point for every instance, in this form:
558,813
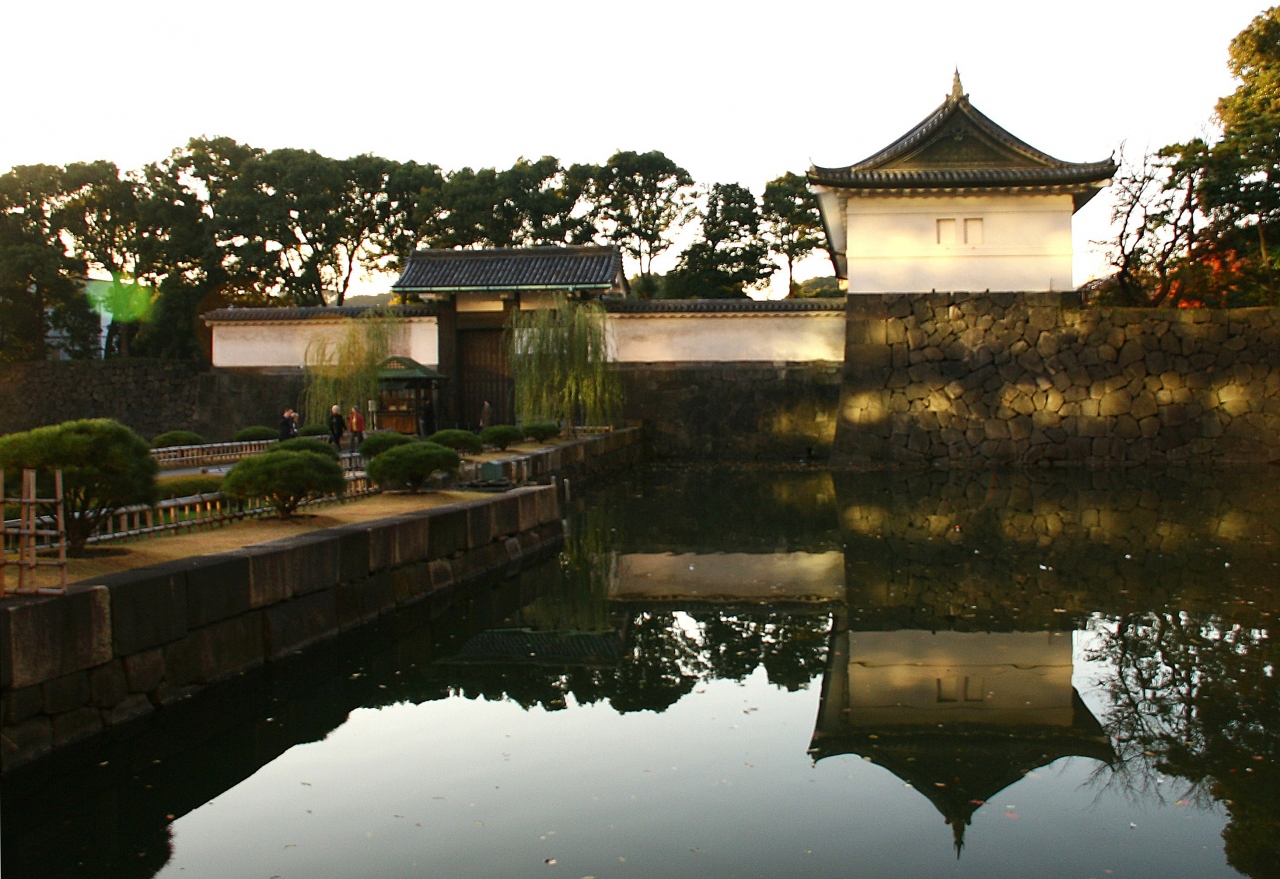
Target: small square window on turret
973,230
946,231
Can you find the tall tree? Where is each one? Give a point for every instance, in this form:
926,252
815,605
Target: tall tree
728,256
641,198
530,203
43,309
792,225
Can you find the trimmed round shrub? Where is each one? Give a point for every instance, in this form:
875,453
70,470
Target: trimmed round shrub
285,478
252,434
376,443
412,464
177,438
541,430
501,435
186,486
461,440
314,430
104,465
305,444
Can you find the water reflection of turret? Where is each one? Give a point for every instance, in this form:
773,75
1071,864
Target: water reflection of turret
958,715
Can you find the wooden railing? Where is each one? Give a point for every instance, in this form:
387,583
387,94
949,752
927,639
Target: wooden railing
179,457
203,511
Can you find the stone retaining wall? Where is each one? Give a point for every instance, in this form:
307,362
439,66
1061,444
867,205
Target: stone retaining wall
740,411
116,648
981,380
150,396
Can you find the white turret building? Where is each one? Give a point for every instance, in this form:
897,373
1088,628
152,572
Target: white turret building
957,203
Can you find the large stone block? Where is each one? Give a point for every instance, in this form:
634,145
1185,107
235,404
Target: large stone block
66,693
295,624
24,742
448,533
217,588
292,566
479,524
506,515
217,651
52,636
108,685
144,671
413,538
148,606
74,726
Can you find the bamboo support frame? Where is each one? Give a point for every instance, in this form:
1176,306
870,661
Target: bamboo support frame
29,532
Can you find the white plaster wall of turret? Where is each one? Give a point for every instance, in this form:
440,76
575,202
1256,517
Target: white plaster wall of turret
952,244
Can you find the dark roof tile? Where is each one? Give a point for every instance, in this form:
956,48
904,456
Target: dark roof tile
512,268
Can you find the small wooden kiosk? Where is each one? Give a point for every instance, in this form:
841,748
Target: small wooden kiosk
407,399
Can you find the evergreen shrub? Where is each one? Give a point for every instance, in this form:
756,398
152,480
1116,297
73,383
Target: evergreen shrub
177,438
104,465
501,435
412,464
376,443
314,430
461,440
252,434
541,430
285,478
305,444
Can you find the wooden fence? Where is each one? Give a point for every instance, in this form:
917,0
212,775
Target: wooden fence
200,511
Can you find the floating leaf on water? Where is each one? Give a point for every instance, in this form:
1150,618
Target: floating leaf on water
550,862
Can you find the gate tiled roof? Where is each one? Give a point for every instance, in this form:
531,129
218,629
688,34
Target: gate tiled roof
512,268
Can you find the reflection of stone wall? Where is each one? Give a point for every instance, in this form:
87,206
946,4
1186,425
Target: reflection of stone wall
957,379
1028,549
739,411
150,396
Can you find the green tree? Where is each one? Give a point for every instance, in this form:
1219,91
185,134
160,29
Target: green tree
792,225
528,204
641,198
104,465
729,256
285,478
43,309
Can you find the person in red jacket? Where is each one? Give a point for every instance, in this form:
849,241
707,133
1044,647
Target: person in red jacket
356,425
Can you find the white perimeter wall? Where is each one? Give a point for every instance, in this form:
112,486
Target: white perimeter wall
284,343
892,244
643,338
657,338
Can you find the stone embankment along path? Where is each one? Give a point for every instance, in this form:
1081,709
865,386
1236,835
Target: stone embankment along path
117,648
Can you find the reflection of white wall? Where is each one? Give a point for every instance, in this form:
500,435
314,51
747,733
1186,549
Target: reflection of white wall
728,576
642,338
914,245
912,677
284,343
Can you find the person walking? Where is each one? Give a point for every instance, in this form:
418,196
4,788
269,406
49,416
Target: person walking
337,427
427,418
486,415
286,425
293,423
356,422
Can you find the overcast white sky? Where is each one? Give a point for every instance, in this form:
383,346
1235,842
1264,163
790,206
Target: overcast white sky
733,91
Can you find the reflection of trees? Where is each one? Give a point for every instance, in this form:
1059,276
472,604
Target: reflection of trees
1198,698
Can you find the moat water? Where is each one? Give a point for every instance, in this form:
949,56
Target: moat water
735,673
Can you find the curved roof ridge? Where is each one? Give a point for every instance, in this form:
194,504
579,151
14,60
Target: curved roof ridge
956,103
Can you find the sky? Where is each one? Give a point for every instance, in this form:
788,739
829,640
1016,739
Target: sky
733,91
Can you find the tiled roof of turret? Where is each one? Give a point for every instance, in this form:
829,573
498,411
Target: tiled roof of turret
955,147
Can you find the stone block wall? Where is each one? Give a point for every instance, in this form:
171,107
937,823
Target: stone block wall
150,396
116,648
734,411
996,379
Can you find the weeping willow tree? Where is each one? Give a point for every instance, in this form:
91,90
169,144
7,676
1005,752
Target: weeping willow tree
346,373
560,363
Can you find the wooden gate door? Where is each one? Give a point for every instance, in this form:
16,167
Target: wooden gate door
484,373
